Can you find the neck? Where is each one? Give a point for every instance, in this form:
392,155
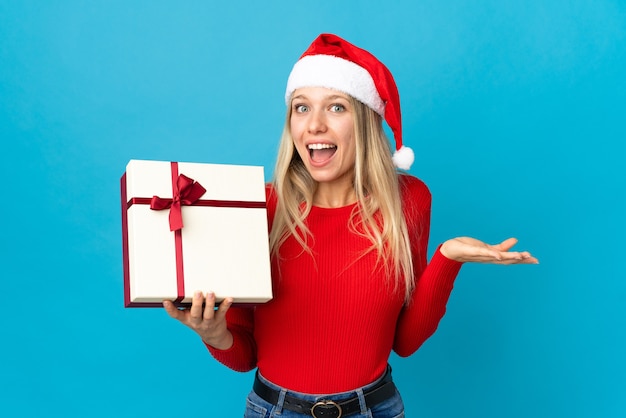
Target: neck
333,196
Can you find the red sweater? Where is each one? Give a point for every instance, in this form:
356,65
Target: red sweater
335,317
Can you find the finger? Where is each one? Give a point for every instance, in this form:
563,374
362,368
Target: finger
517,255
511,255
173,310
514,262
209,309
223,308
485,255
524,258
488,254
506,245
485,260
195,313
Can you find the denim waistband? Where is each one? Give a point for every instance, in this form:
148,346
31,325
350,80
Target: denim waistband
333,396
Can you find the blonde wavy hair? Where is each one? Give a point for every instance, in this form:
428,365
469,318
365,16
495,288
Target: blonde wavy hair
378,215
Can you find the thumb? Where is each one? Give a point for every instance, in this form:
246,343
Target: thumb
172,310
506,245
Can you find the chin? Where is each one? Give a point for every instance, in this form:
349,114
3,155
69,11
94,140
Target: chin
327,177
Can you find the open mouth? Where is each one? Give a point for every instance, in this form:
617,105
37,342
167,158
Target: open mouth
321,152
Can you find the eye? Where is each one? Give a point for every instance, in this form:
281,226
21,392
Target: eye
336,107
300,108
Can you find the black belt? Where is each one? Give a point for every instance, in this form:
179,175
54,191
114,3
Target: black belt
380,392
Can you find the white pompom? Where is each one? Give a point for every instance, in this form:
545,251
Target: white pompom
403,158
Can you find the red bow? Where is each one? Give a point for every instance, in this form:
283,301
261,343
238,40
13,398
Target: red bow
186,192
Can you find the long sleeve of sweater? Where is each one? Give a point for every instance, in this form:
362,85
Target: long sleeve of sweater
241,356
420,317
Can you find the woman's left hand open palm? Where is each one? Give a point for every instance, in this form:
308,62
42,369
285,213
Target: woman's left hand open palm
466,249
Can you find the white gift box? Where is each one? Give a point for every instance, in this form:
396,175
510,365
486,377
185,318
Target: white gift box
222,246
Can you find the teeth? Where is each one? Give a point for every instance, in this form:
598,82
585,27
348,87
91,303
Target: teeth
321,146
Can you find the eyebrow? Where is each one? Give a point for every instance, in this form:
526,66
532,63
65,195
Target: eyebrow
329,97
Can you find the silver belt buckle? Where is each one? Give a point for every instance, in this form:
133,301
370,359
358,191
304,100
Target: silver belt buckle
323,408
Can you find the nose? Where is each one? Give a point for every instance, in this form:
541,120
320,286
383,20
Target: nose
317,121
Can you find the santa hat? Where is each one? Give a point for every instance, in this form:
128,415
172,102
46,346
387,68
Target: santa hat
337,64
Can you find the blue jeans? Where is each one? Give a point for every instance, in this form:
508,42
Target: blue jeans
259,408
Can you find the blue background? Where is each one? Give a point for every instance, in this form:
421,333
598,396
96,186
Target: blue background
516,113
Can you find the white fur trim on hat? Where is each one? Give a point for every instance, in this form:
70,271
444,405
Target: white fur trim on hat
337,74
403,158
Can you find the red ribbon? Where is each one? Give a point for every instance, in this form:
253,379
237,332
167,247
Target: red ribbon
186,192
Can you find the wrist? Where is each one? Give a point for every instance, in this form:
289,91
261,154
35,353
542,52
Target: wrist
223,342
445,250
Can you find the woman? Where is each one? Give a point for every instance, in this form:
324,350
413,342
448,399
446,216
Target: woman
349,239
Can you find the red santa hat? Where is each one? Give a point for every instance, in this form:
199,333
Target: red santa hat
335,63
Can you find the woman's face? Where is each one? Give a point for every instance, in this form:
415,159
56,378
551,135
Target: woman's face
322,128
